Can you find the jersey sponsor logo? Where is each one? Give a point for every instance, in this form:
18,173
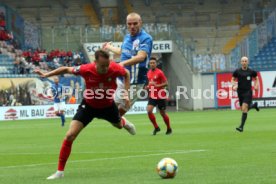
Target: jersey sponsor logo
109,79
135,45
126,51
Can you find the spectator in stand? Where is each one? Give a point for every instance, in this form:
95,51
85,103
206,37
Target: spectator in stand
77,62
28,55
72,99
56,62
2,20
50,56
36,58
63,54
57,53
5,36
70,55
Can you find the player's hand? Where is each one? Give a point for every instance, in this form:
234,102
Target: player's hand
235,87
41,74
106,46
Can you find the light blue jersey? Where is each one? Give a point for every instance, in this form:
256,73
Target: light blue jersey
130,47
57,93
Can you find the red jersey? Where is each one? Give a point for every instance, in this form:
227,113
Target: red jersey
99,87
156,76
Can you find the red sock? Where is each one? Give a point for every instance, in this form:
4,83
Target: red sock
166,120
123,121
65,151
152,119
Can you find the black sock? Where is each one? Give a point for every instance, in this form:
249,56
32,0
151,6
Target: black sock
252,106
244,116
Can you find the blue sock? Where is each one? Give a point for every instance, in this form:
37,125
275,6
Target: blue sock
62,117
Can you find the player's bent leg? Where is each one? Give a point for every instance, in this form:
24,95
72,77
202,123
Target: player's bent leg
74,130
254,106
71,135
57,113
152,119
128,126
167,121
62,117
122,109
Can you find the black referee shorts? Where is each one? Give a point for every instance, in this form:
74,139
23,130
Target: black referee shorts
86,113
245,97
161,103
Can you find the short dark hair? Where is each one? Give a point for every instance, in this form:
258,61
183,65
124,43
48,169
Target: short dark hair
153,58
101,53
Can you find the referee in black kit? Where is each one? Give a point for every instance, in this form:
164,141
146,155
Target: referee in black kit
244,75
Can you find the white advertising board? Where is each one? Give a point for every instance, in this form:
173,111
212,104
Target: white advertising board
47,111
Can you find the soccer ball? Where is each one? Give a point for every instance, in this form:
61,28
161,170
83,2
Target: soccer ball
167,168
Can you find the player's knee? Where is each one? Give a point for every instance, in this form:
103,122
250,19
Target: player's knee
244,109
150,112
70,137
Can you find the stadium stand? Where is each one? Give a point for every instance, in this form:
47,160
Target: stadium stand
91,13
200,29
266,58
232,43
128,6
47,13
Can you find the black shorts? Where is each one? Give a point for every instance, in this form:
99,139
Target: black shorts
245,97
86,113
161,103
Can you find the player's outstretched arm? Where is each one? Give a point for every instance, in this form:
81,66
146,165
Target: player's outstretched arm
109,47
58,71
140,57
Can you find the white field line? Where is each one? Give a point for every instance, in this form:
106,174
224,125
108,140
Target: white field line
94,152
110,158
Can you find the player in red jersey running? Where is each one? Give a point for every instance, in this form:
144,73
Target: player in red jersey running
100,79
157,82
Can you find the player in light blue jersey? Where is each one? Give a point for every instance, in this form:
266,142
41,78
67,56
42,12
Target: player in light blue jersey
135,54
59,101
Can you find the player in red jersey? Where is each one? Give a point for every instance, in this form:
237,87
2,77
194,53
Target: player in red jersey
100,79
157,82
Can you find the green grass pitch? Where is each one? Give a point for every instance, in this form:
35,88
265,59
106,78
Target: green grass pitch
205,145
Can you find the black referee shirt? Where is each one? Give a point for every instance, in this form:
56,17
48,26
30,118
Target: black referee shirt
244,78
